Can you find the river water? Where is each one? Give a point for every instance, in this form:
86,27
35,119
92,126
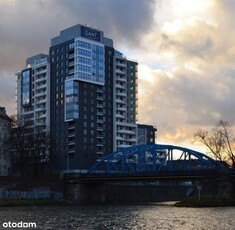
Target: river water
101,217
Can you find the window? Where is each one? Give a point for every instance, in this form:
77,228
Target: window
83,60
71,45
83,52
26,84
71,94
83,68
85,45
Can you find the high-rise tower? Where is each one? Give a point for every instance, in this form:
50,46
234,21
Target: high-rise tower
85,93
93,97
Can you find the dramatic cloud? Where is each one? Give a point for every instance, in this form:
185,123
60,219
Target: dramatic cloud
27,26
185,49
199,89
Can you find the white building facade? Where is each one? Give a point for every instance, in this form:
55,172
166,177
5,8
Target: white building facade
33,91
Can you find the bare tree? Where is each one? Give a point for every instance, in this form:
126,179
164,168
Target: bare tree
220,142
30,146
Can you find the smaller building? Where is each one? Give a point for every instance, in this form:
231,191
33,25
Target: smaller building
5,153
33,91
146,134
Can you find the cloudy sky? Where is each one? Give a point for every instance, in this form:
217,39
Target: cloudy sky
185,50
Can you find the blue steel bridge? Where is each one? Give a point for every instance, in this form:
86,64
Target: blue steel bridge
154,161
134,173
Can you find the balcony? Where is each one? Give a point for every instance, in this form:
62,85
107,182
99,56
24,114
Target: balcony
125,131
119,86
120,71
41,71
100,113
43,116
72,143
120,101
121,94
100,105
41,86
122,64
124,146
40,109
71,71
71,55
41,101
133,140
122,79
71,63
121,109
40,94
99,90
40,123
119,138
100,128
100,120
100,98
120,116
40,79
71,135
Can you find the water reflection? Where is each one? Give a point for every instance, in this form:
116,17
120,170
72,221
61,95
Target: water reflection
122,217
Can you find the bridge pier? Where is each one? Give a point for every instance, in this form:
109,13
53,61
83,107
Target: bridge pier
85,193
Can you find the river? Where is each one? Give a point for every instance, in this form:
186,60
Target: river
138,217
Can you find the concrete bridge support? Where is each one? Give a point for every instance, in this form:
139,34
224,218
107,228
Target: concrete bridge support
85,192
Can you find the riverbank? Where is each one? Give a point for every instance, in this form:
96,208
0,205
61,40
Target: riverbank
207,201
21,202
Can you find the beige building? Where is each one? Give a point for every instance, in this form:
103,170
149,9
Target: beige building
5,158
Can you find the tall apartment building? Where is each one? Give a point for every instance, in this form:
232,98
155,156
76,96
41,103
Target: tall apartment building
5,159
33,91
85,92
93,97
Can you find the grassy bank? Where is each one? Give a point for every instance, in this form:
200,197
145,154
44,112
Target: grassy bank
20,202
206,201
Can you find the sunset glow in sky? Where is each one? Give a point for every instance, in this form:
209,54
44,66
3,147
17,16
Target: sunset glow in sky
185,50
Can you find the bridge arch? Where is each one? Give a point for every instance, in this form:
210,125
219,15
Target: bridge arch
153,160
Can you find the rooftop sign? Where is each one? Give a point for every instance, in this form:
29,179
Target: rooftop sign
90,33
